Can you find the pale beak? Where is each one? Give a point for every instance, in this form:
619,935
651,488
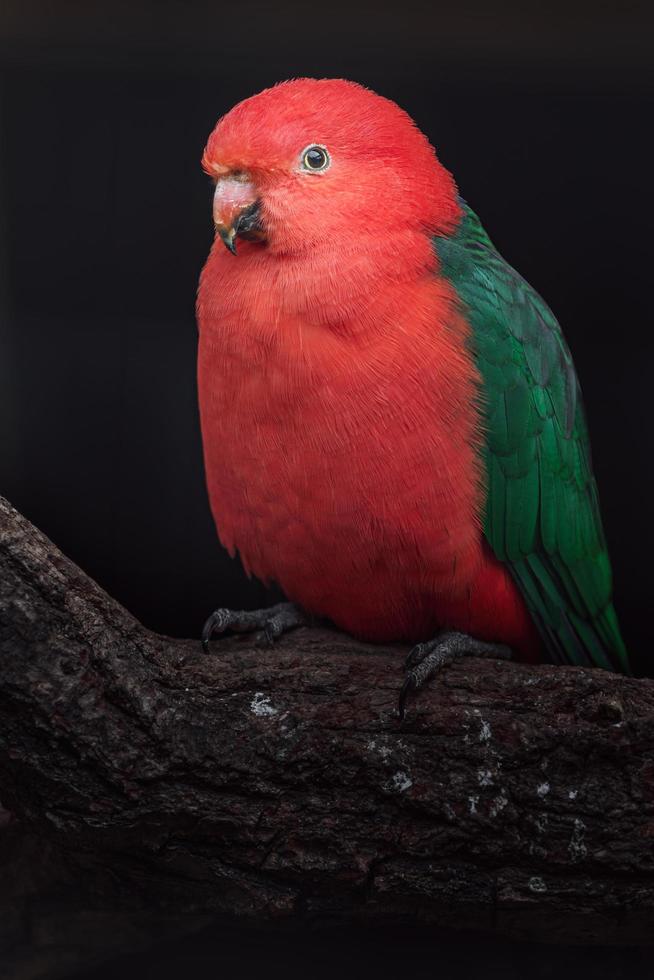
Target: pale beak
236,210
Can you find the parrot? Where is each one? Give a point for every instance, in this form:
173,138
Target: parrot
392,425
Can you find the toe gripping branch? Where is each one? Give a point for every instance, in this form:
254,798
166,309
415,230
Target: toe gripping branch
267,623
427,659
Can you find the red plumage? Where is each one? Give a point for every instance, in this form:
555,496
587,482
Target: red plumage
342,438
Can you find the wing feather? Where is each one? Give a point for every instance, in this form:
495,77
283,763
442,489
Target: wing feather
542,513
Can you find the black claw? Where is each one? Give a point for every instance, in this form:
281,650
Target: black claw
217,621
264,638
207,630
409,685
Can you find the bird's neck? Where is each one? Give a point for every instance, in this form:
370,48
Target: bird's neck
332,287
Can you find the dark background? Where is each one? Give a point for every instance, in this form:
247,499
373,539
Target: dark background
544,114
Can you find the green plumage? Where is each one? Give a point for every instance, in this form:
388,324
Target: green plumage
542,510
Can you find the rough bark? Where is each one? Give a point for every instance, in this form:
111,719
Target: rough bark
279,784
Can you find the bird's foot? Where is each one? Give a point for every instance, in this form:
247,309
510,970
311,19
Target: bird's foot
426,659
268,623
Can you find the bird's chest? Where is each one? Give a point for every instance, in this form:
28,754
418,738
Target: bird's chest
321,449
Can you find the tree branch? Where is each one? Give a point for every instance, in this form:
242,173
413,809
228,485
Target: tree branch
280,783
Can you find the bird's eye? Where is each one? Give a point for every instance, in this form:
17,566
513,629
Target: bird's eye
315,158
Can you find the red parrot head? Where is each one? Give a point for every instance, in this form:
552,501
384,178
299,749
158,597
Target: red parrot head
307,162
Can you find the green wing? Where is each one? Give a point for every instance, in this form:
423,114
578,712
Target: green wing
542,512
